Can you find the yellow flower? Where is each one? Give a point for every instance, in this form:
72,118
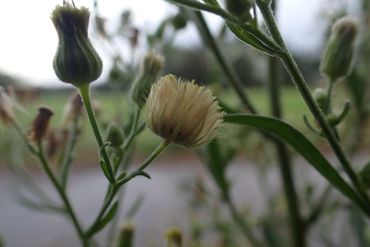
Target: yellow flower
182,112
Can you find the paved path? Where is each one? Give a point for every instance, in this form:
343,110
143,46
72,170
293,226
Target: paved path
164,205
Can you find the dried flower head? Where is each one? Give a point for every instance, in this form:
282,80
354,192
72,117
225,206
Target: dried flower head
182,112
40,124
6,108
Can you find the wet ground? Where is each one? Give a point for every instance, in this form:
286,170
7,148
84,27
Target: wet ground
164,202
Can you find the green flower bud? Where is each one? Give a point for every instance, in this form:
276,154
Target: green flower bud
114,135
364,176
320,96
150,68
179,21
332,119
126,235
337,59
174,238
76,60
239,8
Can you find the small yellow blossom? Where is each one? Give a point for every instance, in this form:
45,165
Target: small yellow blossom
182,112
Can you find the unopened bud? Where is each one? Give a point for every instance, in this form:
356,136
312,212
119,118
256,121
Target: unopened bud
364,176
179,21
114,135
150,68
76,60
239,8
174,237
126,235
337,59
40,124
320,96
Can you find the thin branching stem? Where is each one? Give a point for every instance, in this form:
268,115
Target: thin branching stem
301,85
85,95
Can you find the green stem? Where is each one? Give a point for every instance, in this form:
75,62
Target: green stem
225,66
329,94
301,85
85,95
69,153
63,196
149,160
296,222
133,132
114,188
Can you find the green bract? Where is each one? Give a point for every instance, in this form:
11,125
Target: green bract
76,60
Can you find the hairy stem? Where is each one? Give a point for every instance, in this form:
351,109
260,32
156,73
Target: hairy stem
85,95
290,65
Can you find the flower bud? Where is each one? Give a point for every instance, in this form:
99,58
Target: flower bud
40,124
126,235
320,96
76,60
239,8
179,21
114,135
364,176
174,238
337,59
150,68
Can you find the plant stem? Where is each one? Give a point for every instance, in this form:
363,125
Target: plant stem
69,153
114,188
225,66
296,222
63,196
149,160
301,85
85,95
329,96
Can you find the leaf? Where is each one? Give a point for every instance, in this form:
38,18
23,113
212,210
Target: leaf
105,170
104,221
302,145
250,39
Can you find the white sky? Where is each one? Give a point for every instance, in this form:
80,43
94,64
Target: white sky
28,39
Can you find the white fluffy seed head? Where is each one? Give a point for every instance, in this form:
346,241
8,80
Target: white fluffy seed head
182,112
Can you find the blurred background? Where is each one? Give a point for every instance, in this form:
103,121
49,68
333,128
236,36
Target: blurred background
123,32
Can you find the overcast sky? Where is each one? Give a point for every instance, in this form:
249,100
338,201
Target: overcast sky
28,40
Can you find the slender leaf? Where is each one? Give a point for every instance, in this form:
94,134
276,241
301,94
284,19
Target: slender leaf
250,39
302,145
105,170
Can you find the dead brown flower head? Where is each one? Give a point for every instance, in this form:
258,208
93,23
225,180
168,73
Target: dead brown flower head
40,124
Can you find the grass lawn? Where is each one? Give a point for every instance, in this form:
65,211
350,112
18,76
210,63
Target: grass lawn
116,106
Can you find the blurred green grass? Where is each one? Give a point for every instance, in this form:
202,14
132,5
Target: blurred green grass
115,105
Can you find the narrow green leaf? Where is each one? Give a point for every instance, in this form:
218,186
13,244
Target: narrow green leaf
250,39
105,220
302,145
105,170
